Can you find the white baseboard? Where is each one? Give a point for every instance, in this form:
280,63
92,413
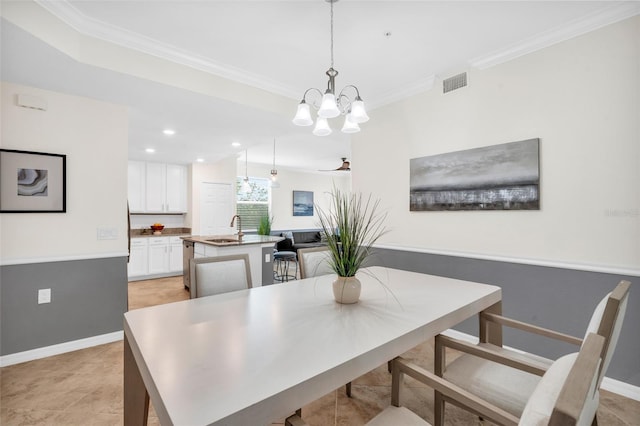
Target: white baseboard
60,348
608,384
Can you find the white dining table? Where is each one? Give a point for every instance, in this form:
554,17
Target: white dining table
255,356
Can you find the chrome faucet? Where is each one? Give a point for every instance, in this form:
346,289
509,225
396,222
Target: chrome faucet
240,234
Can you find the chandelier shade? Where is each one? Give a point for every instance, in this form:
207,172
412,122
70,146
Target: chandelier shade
350,126
358,112
322,127
331,104
328,108
303,116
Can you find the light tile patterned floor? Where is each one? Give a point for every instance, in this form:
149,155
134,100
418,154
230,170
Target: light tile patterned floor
85,387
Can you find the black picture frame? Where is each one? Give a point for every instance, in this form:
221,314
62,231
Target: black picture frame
32,182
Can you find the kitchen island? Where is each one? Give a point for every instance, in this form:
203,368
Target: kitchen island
258,247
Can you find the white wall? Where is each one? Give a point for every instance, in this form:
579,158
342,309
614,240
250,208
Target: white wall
93,135
321,184
581,98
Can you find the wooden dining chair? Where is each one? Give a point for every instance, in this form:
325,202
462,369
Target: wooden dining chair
505,377
566,395
314,262
219,274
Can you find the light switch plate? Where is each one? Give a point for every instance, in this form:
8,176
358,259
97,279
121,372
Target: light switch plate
106,233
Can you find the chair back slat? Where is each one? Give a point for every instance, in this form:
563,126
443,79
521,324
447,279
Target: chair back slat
607,321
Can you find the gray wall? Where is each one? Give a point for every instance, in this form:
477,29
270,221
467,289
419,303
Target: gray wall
88,298
560,299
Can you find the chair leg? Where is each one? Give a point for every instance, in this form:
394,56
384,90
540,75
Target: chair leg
348,389
438,409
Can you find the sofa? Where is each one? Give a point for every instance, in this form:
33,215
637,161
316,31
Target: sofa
295,240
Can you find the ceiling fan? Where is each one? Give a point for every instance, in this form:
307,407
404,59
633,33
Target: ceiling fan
344,168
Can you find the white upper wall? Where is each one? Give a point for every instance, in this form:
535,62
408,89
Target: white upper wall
581,98
93,136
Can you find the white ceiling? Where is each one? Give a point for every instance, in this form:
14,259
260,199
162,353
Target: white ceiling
388,49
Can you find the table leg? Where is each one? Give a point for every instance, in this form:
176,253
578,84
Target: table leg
136,397
491,332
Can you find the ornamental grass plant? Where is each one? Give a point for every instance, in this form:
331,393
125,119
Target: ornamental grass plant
350,227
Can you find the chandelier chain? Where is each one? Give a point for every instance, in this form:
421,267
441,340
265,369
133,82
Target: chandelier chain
331,34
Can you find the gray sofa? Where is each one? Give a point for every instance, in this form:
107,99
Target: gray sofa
296,240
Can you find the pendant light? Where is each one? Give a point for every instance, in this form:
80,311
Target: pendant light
246,187
274,172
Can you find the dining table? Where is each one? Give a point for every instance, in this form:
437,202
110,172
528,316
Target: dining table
252,357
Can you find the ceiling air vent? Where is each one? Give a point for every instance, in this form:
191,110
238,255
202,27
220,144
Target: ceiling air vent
455,82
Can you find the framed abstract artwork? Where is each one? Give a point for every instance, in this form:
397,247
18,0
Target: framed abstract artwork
32,182
498,177
302,203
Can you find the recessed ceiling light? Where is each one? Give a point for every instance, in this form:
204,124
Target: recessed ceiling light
236,144
150,150
200,160
169,132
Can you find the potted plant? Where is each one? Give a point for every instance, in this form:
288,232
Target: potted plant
264,228
350,227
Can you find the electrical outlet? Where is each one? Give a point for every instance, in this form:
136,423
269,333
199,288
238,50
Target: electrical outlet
44,295
267,258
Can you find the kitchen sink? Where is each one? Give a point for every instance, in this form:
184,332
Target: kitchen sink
223,240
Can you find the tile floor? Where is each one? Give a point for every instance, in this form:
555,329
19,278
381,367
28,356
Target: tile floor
85,387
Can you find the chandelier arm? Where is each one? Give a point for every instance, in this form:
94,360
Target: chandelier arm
343,102
315,103
354,88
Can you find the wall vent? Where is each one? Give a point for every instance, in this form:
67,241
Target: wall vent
455,82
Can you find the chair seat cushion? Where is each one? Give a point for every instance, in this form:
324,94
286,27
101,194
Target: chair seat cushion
503,386
396,416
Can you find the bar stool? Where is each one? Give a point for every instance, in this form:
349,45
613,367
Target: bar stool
282,260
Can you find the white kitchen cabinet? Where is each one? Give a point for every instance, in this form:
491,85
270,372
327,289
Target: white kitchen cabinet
176,188
138,259
136,181
164,256
157,187
158,255
166,189
175,254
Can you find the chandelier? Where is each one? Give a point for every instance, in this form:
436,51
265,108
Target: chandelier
330,105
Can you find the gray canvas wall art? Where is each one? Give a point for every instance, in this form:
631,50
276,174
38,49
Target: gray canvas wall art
498,177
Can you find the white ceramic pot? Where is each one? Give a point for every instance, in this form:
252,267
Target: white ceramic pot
346,290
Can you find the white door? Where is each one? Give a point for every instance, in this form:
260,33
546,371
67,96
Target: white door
216,208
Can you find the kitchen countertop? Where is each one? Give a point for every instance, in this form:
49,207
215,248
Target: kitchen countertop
166,232
232,240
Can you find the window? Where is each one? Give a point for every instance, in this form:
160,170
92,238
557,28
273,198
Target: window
254,204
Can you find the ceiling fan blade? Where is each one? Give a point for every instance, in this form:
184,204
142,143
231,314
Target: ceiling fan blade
345,167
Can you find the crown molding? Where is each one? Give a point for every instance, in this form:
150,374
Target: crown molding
401,93
88,26
576,28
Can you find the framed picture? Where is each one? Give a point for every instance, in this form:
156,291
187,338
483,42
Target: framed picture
32,182
302,203
498,177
